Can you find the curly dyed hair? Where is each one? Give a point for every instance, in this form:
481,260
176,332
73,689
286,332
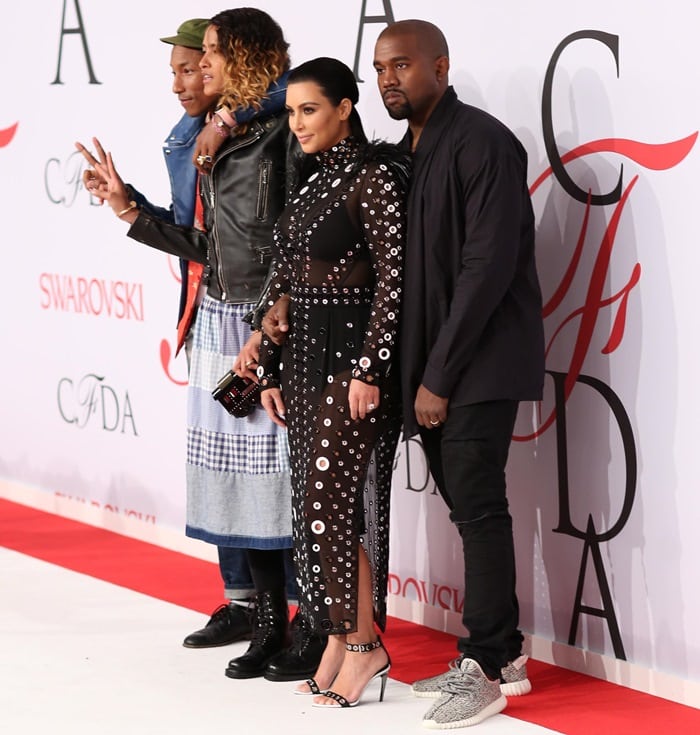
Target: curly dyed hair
255,54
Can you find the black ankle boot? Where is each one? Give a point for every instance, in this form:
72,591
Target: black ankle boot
302,658
228,624
270,636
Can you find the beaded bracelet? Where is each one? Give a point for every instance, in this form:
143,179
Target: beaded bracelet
220,126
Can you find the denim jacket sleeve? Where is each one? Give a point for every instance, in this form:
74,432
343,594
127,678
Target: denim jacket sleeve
149,208
272,103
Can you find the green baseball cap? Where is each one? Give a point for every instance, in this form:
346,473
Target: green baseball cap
189,34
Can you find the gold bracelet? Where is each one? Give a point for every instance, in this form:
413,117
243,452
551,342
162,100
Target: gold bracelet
132,205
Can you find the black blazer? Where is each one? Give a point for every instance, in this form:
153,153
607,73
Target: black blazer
472,326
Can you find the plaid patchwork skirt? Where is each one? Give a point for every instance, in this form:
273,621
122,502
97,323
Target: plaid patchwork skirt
238,475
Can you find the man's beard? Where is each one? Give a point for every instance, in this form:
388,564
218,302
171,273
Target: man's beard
400,112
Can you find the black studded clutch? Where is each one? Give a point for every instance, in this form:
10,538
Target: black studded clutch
239,396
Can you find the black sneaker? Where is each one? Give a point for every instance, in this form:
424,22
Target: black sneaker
301,659
228,624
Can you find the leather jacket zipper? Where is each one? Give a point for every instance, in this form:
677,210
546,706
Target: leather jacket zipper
217,246
264,168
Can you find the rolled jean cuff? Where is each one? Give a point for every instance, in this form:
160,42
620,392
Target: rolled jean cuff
239,593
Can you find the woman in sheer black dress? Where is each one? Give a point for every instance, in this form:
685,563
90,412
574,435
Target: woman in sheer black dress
332,381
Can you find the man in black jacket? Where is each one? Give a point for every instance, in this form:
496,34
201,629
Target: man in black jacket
472,347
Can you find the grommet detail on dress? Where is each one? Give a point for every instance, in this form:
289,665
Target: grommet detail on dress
346,225
318,527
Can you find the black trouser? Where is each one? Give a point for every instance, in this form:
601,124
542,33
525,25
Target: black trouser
267,569
467,457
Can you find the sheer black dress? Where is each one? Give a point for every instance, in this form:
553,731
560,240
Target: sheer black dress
340,253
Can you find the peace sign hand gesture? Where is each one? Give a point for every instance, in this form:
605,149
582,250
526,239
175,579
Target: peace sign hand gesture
103,182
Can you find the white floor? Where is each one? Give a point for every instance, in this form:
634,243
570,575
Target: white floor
79,655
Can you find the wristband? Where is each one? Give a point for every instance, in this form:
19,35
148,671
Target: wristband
220,126
226,116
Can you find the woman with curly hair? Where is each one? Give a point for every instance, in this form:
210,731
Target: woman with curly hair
238,486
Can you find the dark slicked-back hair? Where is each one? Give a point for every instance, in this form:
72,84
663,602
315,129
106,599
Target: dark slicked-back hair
337,82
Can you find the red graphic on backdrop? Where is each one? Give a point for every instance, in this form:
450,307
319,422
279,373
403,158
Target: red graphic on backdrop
174,268
657,157
92,296
166,352
7,134
429,593
166,357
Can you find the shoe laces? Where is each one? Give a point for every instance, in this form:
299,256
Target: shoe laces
302,633
460,683
259,636
263,621
219,614
261,629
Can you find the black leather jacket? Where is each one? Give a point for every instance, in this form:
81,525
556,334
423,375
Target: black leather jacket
242,197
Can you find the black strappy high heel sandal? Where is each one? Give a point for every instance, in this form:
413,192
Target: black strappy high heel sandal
382,674
314,688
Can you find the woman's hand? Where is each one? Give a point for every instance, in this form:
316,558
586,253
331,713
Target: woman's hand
362,399
246,362
275,323
271,401
207,144
105,183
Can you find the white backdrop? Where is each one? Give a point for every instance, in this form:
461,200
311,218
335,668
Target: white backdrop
92,418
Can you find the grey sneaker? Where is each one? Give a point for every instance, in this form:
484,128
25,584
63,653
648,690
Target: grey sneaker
467,698
430,688
514,681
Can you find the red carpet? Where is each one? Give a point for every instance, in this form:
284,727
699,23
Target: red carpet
561,700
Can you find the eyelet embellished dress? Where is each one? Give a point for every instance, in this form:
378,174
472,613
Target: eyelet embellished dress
340,243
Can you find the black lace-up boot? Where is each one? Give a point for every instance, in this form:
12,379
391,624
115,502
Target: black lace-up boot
270,636
302,658
228,624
